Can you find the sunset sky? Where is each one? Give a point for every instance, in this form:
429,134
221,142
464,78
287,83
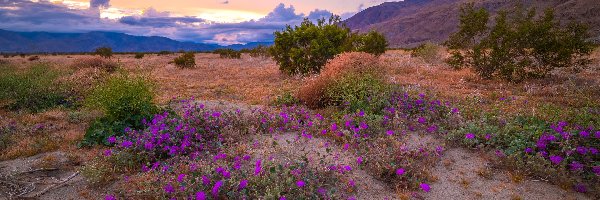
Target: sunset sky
209,21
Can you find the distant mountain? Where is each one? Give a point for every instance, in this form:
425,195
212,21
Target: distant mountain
412,22
35,42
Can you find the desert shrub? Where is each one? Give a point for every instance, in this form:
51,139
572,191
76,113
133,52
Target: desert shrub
96,63
372,42
351,80
160,53
306,48
5,55
34,89
518,46
105,52
429,52
186,60
228,53
139,55
125,100
260,51
33,58
285,99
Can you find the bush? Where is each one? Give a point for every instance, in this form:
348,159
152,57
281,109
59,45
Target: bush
139,55
164,53
96,63
285,99
228,53
372,42
105,52
518,46
353,80
125,101
260,51
429,52
34,89
33,58
186,60
306,48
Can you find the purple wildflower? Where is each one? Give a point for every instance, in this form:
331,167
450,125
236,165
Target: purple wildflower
243,184
363,125
576,166
597,134
169,188
400,171
359,160
422,120
333,127
110,197
112,139
200,196
348,168
593,151
582,150
580,187
257,167
389,132
596,170
107,152
528,150
584,134
205,180
180,178
126,144
556,159
215,189
282,198
425,187
300,183
488,136
470,136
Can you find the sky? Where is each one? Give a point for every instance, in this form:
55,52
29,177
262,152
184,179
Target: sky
222,22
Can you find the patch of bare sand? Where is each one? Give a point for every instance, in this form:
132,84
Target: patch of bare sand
31,178
465,175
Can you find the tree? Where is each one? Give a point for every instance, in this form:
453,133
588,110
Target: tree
105,52
306,48
518,46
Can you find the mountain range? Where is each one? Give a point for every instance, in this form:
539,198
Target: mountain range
404,23
412,22
36,42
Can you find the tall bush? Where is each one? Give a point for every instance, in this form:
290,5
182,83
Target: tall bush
105,52
186,60
306,48
518,45
125,101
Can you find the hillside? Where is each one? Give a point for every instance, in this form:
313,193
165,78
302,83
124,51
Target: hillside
31,42
412,22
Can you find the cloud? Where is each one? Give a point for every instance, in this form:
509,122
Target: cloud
99,3
25,15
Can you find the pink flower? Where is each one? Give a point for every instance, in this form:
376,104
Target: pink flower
169,189
300,183
200,196
359,160
470,136
425,187
180,178
215,189
243,184
257,167
556,159
390,132
400,171
112,139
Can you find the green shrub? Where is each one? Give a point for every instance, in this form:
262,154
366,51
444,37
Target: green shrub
306,48
139,55
228,53
260,51
186,60
125,101
518,46
354,81
372,42
105,52
33,58
34,89
287,99
429,52
164,53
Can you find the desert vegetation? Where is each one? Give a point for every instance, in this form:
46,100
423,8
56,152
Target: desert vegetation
324,113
